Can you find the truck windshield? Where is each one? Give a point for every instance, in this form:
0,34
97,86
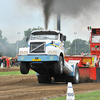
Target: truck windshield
44,37
96,39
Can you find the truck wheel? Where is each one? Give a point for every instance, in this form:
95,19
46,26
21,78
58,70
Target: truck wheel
58,66
24,67
44,79
75,79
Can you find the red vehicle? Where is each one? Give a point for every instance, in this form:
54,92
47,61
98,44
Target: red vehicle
89,65
95,44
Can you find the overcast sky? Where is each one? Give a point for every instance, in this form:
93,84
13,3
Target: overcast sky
16,17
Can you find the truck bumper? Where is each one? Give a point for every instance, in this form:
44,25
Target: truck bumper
39,58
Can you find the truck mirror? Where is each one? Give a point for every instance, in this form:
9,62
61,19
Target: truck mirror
64,38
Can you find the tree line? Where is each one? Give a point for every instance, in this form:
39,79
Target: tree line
10,49
77,47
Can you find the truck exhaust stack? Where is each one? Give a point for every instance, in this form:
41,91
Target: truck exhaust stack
58,22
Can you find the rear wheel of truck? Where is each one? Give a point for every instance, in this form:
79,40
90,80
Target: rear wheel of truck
44,79
75,79
24,67
58,66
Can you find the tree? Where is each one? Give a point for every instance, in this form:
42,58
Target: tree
1,33
81,46
28,31
66,46
39,28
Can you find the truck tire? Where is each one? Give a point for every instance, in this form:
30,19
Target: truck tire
75,79
24,67
44,79
58,66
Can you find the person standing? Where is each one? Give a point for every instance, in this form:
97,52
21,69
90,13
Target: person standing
8,62
13,62
1,62
4,61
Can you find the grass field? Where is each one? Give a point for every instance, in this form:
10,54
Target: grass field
14,73
84,96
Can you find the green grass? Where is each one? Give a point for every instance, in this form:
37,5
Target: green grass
84,96
89,96
60,98
15,73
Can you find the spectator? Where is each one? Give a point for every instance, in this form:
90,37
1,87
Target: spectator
13,62
4,61
16,62
1,62
10,59
7,60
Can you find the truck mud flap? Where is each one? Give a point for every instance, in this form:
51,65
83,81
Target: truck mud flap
98,74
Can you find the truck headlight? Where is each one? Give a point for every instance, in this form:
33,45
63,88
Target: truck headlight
50,52
54,52
25,52
21,52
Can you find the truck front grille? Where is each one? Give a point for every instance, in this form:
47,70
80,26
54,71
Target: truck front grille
37,47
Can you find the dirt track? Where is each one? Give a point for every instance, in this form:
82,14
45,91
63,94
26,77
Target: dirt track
26,87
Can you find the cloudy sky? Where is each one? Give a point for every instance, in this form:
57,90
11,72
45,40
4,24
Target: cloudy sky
17,16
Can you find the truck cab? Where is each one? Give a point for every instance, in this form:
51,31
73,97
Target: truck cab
45,48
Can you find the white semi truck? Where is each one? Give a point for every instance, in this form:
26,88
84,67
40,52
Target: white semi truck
45,55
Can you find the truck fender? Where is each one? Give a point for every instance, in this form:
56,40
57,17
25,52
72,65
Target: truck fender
74,69
74,64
